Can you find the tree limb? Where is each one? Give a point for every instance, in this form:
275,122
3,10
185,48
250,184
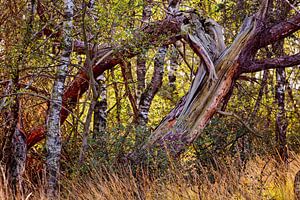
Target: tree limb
280,62
278,31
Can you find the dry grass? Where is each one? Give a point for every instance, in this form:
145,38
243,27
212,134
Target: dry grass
260,180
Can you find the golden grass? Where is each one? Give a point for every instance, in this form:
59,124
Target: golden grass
262,178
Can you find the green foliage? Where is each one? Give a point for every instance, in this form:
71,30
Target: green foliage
115,24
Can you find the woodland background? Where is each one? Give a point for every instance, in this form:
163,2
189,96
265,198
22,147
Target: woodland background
87,91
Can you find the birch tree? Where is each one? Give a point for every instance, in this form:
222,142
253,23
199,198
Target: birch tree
53,136
220,66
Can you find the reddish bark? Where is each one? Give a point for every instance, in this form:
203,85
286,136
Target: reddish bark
150,36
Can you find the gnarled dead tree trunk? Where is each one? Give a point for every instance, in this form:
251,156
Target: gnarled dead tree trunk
186,121
218,69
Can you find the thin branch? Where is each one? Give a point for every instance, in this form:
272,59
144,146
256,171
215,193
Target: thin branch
254,132
292,6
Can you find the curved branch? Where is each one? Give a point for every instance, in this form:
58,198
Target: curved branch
280,62
278,31
162,32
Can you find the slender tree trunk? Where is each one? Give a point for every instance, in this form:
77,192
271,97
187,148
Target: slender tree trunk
100,117
141,59
117,96
141,75
149,93
153,86
281,119
172,68
14,148
260,94
84,146
18,160
53,137
8,154
156,82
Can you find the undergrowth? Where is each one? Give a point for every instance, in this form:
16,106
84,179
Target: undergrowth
262,178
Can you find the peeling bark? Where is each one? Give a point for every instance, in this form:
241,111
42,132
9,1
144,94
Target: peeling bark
178,130
172,25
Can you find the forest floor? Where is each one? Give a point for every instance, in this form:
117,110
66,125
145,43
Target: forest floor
262,178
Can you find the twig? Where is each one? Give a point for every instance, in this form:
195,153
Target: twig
294,7
254,132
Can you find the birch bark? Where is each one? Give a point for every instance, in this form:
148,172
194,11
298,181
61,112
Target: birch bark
53,135
281,122
100,117
172,68
149,93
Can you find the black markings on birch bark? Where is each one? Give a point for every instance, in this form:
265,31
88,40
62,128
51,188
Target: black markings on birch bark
147,11
281,119
281,122
141,76
172,68
149,93
144,99
141,59
53,135
100,117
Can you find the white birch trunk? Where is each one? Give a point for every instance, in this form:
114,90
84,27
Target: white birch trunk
100,117
53,136
172,68
149,93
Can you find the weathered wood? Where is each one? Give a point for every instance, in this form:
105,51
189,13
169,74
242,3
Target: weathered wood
202,100
171,27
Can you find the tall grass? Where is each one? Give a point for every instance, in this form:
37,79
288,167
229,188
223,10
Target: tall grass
262,178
